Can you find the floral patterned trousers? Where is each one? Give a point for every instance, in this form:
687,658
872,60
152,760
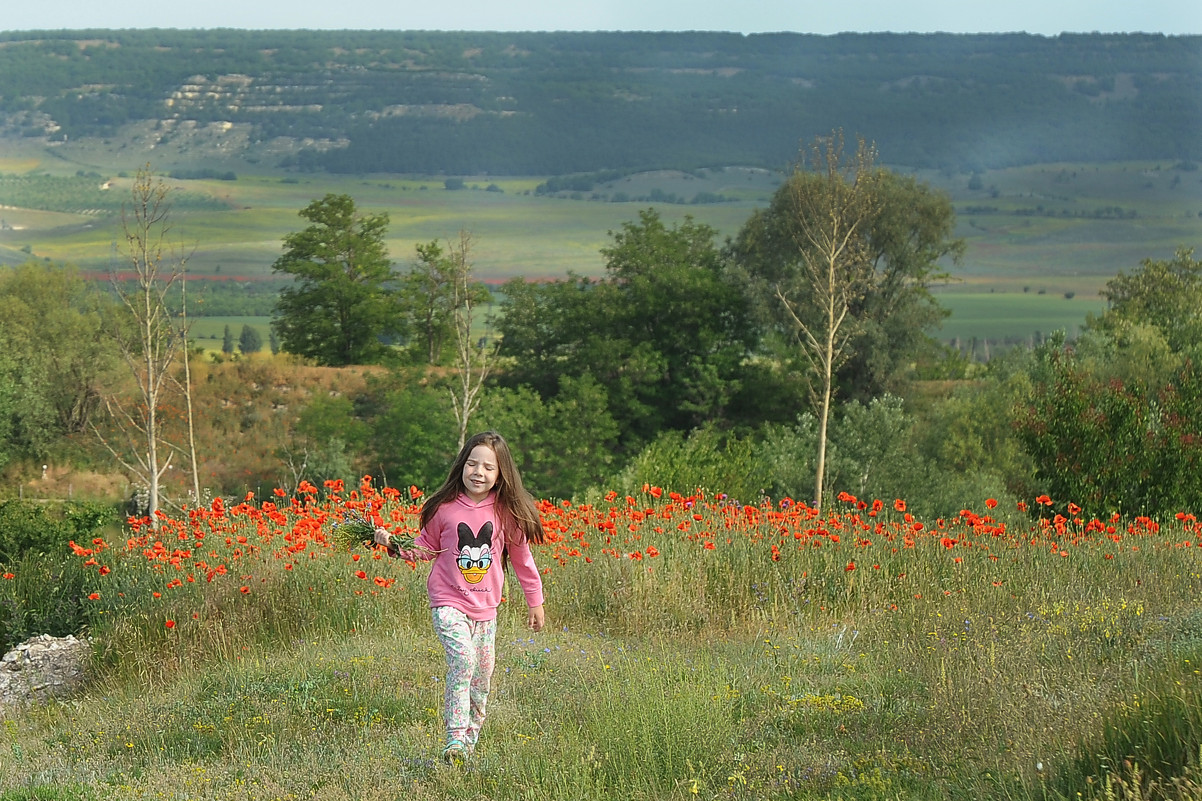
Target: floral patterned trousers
471,654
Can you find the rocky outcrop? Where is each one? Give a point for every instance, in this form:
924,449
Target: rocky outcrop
42,667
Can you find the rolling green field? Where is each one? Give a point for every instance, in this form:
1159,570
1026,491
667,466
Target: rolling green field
1000,316
1035,236
209,332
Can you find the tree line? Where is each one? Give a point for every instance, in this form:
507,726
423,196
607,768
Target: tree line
783,361
558,103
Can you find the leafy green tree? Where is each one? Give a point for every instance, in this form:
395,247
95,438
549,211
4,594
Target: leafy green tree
563,446
708,458
1115,421
227,341
428,300
412,430
666,332
971,431
342,303
907,240
54,357
1163,293
329,433
10,407
1113,446
250,340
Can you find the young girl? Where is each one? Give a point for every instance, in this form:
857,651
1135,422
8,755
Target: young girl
478,520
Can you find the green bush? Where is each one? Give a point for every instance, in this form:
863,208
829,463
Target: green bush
708,459
45,586
47,528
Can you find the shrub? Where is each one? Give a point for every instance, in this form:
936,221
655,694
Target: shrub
44,585
47,528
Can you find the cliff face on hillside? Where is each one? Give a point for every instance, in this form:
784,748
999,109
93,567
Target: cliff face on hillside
557,103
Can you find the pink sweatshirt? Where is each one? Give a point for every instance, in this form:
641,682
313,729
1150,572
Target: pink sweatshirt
467,573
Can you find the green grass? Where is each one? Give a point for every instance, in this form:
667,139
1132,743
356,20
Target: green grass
985,657
210,331
1004,317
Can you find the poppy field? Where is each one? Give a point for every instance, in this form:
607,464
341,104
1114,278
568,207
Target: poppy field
696,647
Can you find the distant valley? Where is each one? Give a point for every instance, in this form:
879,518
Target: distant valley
1068,158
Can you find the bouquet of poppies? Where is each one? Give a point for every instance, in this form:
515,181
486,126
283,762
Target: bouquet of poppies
355,529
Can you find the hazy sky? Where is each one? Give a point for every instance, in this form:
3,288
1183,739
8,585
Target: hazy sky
746,16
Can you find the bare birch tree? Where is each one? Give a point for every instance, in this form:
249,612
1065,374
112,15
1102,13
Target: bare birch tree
834,202
473,357
149,340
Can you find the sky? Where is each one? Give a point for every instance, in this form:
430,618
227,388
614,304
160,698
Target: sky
1047,17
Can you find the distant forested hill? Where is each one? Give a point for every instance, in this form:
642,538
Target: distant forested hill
556,103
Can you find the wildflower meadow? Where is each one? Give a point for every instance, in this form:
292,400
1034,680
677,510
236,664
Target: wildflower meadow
696,647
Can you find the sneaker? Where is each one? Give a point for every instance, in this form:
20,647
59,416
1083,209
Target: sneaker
455,753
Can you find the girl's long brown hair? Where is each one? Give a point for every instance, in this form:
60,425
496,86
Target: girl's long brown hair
515,506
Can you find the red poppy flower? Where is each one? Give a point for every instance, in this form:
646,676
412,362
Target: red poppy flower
899,505
991,503
170,624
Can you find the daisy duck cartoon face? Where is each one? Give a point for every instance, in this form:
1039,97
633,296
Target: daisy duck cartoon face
475,552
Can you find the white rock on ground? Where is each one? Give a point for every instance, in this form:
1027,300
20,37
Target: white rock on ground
42,667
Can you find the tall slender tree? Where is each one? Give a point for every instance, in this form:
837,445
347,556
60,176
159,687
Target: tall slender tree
342,304
149,340
428,298
473,354
833,202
